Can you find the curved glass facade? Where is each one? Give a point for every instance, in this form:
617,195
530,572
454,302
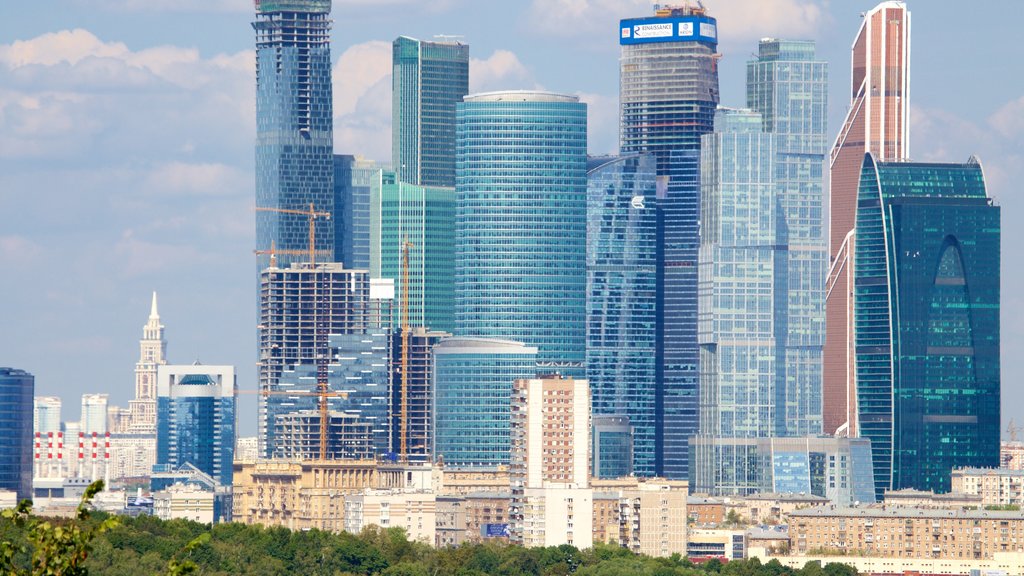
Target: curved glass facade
926,316
521,231
473,380
622,252
17,388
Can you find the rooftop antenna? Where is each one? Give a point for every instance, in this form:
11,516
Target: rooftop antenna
456,38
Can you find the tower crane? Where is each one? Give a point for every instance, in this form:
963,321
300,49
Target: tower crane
404,422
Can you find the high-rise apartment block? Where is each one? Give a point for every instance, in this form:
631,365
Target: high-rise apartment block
417,406
46,414
428,80
17,389
473,399
152,354
878,122
196,418
668,91
94,414
622,284
421,219
926,311
353,177
521,229
294,127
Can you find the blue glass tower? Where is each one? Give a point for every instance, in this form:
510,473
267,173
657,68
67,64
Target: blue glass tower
17,389
353,178
926,315
473,380
622,252
668,91
521,231
196,419
294,126
789,87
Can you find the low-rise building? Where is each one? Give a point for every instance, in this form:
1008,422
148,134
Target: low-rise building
1011,455
769,508
184,501
415,511
910,498
557,514
706,543
451,480
8,499
450,529
994,486
703,511
487,515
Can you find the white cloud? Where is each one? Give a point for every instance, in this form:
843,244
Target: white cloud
362,100
1008,121
181,178
502,70
602,122
170,5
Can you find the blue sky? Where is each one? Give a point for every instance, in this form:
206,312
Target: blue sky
127,130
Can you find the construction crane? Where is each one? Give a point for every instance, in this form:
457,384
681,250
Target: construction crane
323,389
404,423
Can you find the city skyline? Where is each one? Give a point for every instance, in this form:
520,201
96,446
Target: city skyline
218,226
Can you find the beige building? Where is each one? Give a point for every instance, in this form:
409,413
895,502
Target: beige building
906,532
300,495
184,501
704,543
487,512
468,481
769,508
909,498
1011,455
413,510
654,514
606,517
450,527
993,486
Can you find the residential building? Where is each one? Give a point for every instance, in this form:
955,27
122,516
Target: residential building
926,308
522,158
247,449
413,511
416,406
17,389
612,450
184,502
487,515
770,508
877,122
707,543
622,259
995,486
196,418
450,524
132,456
653,516
1011,455
94,414
788,86
668,92
152,355
353,177
195,479
472,405
703,511
294,129
476,479
420,219
910,498
46,415
428,79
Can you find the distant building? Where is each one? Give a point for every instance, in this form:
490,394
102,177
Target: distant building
707,543
413,511
473,379
247,449
1011,455
995,486
196,418
652,514
926,305
152,354
17,389
418,406
429,78
46,415
297,435
450,524
94,414
910,498
184,502
353,177
612,450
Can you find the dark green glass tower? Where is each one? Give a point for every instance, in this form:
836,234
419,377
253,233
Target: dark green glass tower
926,315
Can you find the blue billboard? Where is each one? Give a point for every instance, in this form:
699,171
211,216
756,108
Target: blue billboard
687,28
495,531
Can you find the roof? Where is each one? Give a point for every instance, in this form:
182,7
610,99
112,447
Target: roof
521,96
897,512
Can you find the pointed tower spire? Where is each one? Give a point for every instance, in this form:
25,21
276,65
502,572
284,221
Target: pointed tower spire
152,311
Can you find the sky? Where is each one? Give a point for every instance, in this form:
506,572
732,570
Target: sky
127,130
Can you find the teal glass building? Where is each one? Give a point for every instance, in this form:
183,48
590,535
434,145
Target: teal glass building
926,316
788,85
622,276
472,409
294,126
353,177
521,224
17,389
668,91
428,80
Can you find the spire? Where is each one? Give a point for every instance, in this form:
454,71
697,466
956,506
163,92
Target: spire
152,311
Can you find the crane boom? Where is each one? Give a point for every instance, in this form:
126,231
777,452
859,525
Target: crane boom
404,423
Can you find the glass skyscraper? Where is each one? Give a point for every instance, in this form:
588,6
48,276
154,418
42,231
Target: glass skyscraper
926,316
353,177
521,224
622,275
294,126
17,389
788,85
425,217
668,91
428,80
473,380
196,418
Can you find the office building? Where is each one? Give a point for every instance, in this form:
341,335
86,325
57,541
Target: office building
612,450
472,405
926,309
353,177
46,415
416,408
622,276
788,86
423,217
877,122
94,414
294,128
347,351
196,418
668,92
17,389
428,80
521,230
152,354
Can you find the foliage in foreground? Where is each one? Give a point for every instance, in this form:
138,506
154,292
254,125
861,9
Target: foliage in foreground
146,545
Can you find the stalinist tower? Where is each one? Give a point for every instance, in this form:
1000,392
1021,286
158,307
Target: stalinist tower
153,349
